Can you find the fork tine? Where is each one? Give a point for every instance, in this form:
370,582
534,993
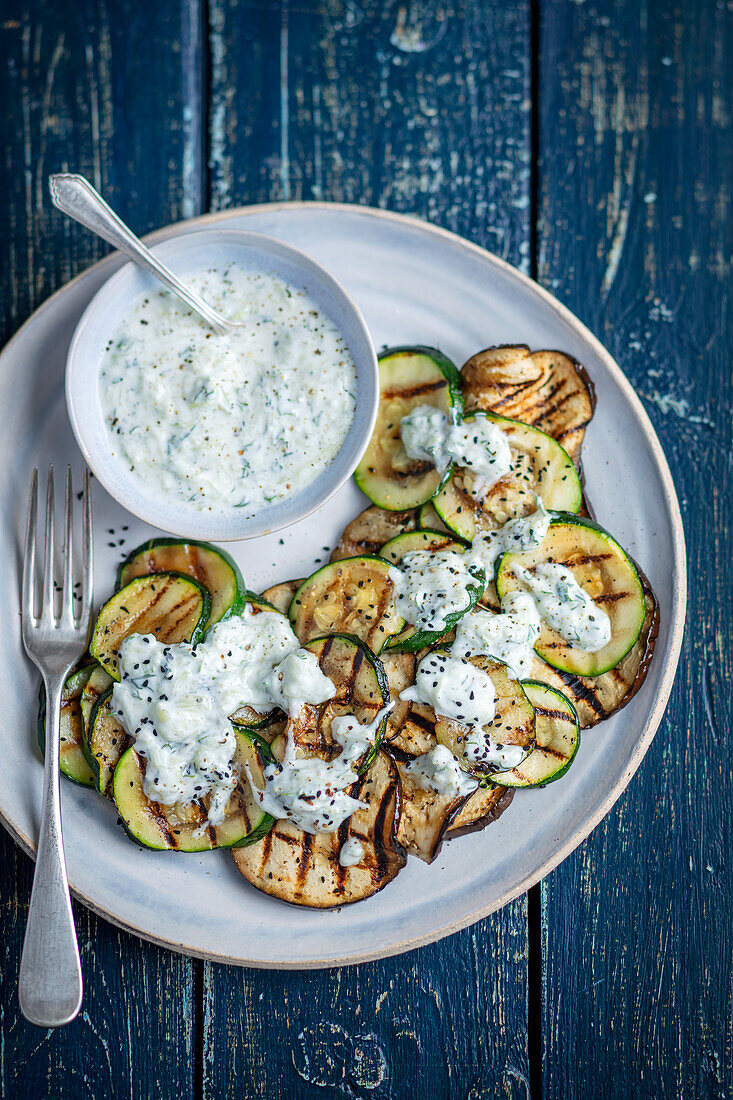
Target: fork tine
67,605
48,608
29,557
88,553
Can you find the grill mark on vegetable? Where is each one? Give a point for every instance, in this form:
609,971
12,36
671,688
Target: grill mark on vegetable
304,860
415,391
427,725
585,559
582,691
171,630
380,851
266,843
417,469
611,597
555,715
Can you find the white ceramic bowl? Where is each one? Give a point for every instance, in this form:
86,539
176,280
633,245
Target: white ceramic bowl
185,255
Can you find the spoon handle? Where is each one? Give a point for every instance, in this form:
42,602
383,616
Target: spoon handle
76,197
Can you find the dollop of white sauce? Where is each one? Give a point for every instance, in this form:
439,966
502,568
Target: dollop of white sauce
456,689
433,585
478,445
508,637
313,793
439,771
566,607
518,535
175,701
234,421
351,853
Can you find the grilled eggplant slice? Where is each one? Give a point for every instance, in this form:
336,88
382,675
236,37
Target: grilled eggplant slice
351,596
546,388
540,467
184,827
426,817
596,698
298,867
213,568
407,377
513,724
170,606
72,761
370,530
399,669
483,807
605,571
104,744
416,733
409,639
280,596
557,737
361,689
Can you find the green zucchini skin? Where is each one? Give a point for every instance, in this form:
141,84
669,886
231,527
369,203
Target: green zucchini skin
376,475
72,760
409,640
212,567
557,739
183,616
627,611
464,515
157,828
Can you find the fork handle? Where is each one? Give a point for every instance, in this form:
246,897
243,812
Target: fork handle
76,197
50,983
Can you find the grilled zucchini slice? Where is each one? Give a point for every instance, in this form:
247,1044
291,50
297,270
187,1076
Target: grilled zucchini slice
409,639
546,388
304,869
540,467
605,571
351,596
97,685
429,520
557,737
170,606
408,377
72,761
105,743
513,724
213,568
280,596
371,529
183,827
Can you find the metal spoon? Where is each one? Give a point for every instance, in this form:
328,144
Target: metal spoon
76,197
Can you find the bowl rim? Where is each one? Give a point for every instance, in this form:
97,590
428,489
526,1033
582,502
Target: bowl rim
216,528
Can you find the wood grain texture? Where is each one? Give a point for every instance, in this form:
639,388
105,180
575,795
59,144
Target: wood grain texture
635,236
423,108
76,94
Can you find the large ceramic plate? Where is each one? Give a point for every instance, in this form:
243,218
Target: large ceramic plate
414,284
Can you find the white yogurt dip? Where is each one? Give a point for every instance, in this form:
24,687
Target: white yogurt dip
566,607
477,445
235,421
439,771
175,701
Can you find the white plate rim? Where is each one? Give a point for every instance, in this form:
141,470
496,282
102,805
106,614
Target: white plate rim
679,587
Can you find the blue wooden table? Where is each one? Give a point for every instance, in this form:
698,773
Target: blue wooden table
590,143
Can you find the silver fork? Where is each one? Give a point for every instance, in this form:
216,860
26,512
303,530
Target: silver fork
50,983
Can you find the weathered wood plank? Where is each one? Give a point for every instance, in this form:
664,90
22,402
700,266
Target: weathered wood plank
424,108
635,235
97,88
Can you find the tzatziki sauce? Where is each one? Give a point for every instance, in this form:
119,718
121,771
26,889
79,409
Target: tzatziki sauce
175,701
433,585
566,607
313,793
477,445
439,771
508,637
241,420
351,852
458,690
